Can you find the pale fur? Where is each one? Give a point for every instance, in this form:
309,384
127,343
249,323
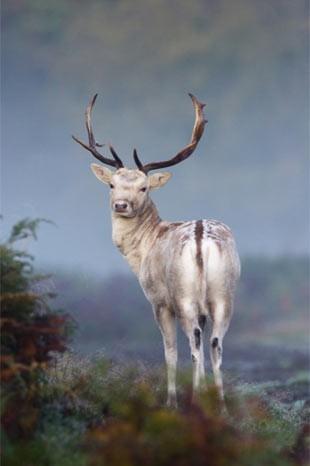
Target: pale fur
187,270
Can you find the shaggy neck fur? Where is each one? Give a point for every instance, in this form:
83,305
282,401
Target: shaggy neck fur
132,235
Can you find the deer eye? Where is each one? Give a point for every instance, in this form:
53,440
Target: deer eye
143,190
111,185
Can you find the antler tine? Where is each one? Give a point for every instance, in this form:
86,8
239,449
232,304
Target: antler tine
198,129
115,156
137,160
116,161
89,108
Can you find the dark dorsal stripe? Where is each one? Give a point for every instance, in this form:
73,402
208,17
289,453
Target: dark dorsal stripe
198,238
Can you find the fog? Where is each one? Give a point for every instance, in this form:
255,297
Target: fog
248,60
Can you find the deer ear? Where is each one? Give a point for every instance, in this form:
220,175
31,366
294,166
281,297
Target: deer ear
157,180
102,173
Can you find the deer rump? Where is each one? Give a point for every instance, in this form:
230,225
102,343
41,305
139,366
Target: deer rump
195,262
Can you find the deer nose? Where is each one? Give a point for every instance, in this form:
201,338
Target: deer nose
120,206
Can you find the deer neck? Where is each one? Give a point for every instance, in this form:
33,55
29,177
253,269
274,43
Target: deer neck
133,235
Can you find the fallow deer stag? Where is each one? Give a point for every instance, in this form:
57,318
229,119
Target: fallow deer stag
187,270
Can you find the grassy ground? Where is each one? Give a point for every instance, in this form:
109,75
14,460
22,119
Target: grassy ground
96,412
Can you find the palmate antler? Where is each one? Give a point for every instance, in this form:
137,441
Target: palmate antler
92,147
188,150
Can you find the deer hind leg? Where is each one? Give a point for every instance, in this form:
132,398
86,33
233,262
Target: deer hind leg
220,312
167,324
202,323
194,334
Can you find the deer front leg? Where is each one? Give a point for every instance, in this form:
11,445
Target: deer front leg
167,324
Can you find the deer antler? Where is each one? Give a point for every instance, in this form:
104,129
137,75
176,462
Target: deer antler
116,161
188,150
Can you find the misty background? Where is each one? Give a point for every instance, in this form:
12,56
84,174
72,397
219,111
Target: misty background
248,60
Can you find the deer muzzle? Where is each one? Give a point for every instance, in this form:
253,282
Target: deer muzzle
123,207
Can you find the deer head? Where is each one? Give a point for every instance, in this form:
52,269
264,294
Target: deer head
129,188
